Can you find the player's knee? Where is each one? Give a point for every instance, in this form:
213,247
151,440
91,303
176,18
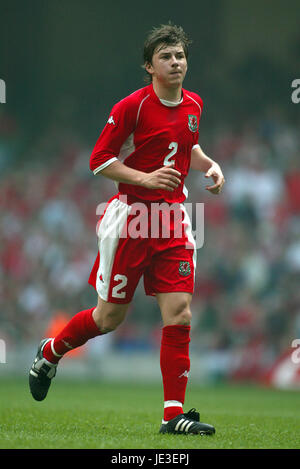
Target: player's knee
182,314
106,328
184,317
108,320
108,323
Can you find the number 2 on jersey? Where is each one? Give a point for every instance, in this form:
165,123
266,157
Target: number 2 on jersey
173,147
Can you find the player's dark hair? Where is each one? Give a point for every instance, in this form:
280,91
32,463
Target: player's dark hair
167,35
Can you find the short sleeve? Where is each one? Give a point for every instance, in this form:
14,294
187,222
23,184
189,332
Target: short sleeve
120,124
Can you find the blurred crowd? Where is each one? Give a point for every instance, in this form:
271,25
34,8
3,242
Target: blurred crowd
247,297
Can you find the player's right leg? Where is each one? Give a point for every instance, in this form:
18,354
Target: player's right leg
83,326
118,267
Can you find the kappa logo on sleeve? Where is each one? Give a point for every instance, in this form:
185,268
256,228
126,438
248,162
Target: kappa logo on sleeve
111,120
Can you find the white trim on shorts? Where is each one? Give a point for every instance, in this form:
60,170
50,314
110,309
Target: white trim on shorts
188,231
109,231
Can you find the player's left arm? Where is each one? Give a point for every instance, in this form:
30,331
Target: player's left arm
201,162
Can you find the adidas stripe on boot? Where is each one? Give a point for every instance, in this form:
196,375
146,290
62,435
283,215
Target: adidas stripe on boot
186,424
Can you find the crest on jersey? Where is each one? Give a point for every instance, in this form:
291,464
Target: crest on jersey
184,268
193,123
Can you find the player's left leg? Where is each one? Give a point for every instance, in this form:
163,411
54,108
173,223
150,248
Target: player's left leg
174,353
175,364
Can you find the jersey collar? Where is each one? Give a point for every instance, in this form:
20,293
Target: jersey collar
164,102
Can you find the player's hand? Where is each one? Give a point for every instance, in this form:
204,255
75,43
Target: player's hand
216,174
166,178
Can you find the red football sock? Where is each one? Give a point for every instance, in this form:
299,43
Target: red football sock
175,366
77,332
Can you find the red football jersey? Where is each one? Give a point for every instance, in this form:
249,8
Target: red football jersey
146,133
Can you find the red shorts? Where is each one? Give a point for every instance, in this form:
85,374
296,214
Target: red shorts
140,238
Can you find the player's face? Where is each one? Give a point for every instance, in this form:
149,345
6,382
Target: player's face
169,65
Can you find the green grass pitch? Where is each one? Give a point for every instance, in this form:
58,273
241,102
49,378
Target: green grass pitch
79,414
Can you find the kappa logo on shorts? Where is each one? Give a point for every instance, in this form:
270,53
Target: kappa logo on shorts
193,123
184,268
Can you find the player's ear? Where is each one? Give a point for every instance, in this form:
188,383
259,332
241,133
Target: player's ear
148,67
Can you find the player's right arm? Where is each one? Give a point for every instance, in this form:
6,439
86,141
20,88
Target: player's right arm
165,178
104,158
